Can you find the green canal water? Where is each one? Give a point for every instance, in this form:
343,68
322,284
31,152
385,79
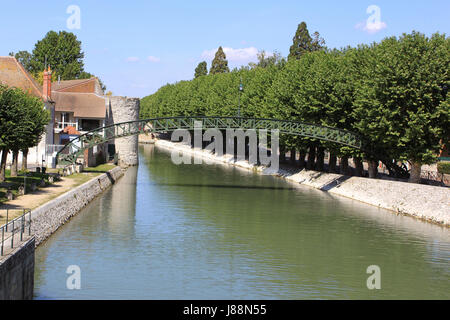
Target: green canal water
217,232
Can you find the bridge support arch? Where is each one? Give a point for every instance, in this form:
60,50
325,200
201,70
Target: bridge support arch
123,109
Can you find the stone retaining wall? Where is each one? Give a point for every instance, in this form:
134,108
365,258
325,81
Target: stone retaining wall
46,219
430,203
17,273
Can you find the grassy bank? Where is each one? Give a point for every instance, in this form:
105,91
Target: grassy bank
43,194
13,183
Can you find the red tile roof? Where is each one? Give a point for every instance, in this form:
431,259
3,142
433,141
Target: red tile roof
67,84
71,131
13,74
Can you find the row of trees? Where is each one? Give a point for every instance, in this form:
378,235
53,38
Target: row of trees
218,65
393,93
62,51
302,42
22,122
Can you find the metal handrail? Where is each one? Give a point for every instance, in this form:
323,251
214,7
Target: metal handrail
17,227
69,153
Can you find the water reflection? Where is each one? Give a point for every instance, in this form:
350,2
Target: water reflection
212,232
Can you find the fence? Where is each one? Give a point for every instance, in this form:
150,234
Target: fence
435,176
14,231
51,148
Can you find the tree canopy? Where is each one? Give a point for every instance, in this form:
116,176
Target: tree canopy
219,63
302,42
62,51
201,70
22,122
393,93
265,60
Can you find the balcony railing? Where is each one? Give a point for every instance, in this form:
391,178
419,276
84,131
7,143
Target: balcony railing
63,125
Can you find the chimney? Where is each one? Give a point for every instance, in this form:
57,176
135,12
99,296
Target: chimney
47,84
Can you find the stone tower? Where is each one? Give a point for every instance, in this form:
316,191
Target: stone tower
124,109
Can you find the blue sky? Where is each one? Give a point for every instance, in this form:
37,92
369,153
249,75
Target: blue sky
135,47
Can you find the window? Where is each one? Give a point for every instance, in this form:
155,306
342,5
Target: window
89,124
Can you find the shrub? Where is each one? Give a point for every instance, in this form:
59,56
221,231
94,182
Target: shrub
444,167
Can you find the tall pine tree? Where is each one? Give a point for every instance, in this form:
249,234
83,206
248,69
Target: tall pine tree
220,63
303,42
201,70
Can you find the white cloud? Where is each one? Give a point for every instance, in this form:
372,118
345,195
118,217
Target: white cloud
132,59
373,23
371,27
153,59
242,55
375,27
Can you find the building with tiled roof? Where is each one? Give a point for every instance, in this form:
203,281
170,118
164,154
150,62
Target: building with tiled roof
91,85
79,104
13,74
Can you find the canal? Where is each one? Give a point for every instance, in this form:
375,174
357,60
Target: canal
217,232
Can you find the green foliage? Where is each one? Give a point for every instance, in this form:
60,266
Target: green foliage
219,63
22,119
265,60
443,167
25,58
394,94
402,104
62,51
303,43
14,183
201,70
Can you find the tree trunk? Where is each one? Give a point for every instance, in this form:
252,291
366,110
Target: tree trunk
3,164
311,158
293,154
414,176
373,169
282,154
332,163
343,165
320,158
359,168
302,161
25,159
15,158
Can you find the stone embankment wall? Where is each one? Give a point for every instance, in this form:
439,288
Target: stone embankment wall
46,219
17,273
430,203
146,139
126,109
17,268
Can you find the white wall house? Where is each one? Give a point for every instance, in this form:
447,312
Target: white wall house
79,104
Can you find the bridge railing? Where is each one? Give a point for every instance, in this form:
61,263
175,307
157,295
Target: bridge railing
74,148
14,231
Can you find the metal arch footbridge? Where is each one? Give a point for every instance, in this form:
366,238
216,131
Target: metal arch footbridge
71,151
